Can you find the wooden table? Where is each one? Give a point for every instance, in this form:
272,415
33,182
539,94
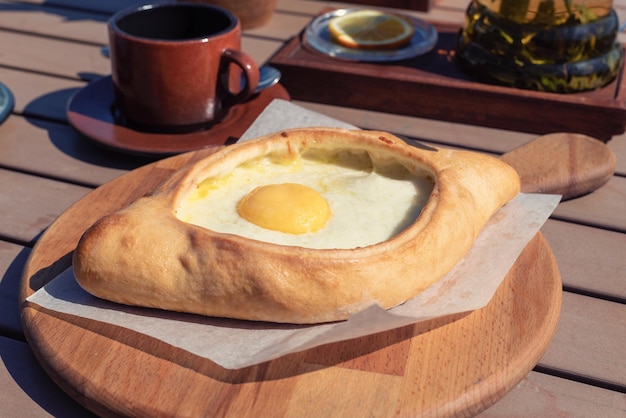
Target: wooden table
50,50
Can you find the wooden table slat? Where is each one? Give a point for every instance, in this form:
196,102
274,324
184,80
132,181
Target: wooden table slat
589,340
51,48
54,22
45,55
603,208
58,151
585,252
34,204
12,260
40,95
428,130
27,391
106,6
618,146
541,395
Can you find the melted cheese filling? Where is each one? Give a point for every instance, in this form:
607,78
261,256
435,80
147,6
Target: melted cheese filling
367,202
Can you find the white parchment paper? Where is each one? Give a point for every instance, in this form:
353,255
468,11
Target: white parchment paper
235,344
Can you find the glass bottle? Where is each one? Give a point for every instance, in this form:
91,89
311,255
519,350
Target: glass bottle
561,46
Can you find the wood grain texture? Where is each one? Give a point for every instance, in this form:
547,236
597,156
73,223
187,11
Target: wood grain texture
444,133
66,23
601,357
432,86
27,392
422,5
33,205
437,132
584,252
104,6
62,59
10,324
57,151
618,146
453,365
40,95
568,164
603,208
540,395
588,245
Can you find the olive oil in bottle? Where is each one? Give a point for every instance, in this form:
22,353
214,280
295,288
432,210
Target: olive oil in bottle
561,46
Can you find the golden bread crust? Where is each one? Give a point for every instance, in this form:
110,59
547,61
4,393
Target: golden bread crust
143,255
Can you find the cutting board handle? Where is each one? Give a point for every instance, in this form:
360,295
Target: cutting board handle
568,164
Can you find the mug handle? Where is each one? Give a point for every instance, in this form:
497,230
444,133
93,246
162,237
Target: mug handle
250,72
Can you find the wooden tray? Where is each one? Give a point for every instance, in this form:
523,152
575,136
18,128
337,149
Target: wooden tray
421,5
432,86
459,364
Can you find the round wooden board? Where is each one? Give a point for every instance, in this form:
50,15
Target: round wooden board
456,365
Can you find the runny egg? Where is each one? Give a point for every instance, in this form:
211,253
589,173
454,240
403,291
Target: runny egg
319,199
287,207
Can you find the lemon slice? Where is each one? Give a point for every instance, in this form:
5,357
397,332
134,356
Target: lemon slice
370,29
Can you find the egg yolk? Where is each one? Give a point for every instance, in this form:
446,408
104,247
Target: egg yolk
287,207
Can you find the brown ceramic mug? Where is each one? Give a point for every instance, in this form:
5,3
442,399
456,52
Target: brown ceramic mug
178,66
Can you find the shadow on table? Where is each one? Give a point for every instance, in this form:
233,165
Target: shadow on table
18,358
36,384
73,10
9,288
48,112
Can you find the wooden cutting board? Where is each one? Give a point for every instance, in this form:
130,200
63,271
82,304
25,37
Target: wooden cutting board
563,163
459,364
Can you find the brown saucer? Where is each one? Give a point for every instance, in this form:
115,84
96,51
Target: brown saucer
91,112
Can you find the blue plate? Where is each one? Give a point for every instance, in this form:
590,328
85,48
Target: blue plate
6,102
317,36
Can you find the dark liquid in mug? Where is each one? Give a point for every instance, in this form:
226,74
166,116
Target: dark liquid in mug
175,23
